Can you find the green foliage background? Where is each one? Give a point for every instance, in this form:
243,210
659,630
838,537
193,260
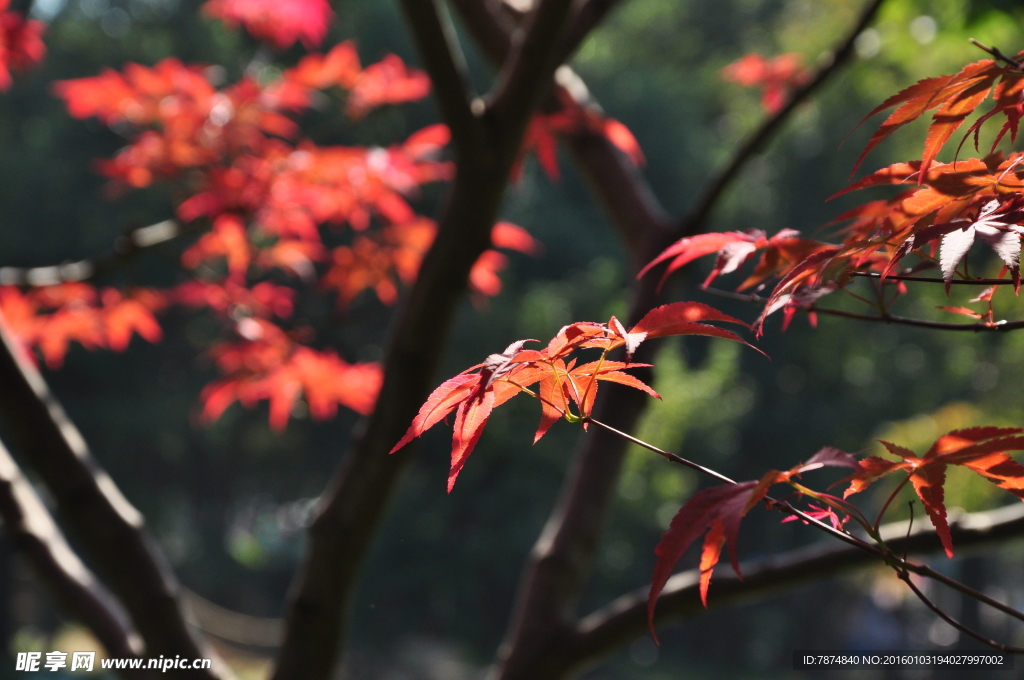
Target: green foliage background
227,501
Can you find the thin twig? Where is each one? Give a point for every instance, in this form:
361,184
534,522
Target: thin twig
439,48
905,577
994,51
932,279
910,527
784,505
937,325
878,318
888,502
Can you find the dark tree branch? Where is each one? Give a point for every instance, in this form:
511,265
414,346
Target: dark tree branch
439,48
525,76
126,248
584,20
697,217
626,617
37,538
109,529
358,495
492,31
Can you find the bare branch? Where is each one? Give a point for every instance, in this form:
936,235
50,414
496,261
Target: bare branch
905,577
106,525
526,74
981,326
493,31
696,218
584,20
439,48
127,247
626,617
37,538
931,279
994,51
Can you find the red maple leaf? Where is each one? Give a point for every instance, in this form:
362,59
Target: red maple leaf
389,81
955,97
21,43
279,23
777,77
563,382
572,118
981,449
717,511
227,239
267,363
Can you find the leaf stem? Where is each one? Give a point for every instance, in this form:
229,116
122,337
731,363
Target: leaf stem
889,500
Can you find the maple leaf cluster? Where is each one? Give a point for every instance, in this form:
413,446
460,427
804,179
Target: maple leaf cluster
267,363
275,210
51,317
21,43
941,211
565,388
717,512
945,209
777,77
271,200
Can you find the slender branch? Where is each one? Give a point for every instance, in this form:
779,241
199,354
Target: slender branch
905,577
670,456
931,279
492,30
785,506
625,618
439,48
105,524
878,318
126,248
994,51
37,538
694,221
888,502
999,326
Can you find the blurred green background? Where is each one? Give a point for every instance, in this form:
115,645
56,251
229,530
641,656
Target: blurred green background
228,502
